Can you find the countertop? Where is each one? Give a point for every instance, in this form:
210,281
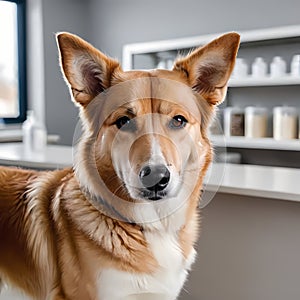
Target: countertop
54,156
14,134
258,181
250,180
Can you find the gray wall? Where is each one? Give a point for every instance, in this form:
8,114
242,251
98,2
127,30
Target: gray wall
109,24
61,15
117,22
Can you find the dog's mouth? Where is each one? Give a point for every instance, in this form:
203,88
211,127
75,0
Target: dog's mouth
153,195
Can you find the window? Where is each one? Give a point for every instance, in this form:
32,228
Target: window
12,61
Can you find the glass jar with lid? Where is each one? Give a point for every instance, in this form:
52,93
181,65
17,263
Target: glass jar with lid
234,118
285,119
256,122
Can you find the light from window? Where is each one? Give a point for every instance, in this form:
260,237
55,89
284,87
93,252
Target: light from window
9,98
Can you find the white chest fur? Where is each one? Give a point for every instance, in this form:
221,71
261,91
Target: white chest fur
165,284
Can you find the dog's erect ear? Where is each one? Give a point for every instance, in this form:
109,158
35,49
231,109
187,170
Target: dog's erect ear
208,68
86,69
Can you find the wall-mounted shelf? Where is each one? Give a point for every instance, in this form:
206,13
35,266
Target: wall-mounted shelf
267,43
255,143
264,81
249,36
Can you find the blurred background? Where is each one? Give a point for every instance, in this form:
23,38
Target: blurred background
250,243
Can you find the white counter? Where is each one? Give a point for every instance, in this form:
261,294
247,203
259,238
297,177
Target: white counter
249,180
55,156
15,134
257,181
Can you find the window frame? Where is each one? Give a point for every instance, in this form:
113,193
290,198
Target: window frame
22,58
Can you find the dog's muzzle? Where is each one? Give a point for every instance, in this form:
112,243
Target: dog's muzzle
155,179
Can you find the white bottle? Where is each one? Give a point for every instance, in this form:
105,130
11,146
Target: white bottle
240,69
259,67
295,65
278,67
34,134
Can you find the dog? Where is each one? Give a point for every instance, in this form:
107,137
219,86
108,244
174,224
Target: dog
123,221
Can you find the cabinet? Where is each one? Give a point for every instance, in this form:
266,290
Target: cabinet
283,41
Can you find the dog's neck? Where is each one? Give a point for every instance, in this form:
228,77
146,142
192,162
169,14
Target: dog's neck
135,215
104,206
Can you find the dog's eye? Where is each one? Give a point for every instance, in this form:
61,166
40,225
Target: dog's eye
178,122
126,124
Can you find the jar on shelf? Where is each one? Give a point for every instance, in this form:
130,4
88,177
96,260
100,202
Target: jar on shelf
295,65
256,122
165,60
259,68
285,119
240,69
278,67
234,118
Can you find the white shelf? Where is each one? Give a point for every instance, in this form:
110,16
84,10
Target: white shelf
255,143
264,81
249,36
257,35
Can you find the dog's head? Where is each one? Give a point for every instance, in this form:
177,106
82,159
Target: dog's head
146,131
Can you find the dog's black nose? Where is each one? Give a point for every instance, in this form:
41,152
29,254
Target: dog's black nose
155,178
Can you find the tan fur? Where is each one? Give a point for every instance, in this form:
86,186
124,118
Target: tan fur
53,240
48,228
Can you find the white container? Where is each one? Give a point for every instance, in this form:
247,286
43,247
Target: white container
295,65
165,63
278,67
256,122
240,69
162,64
285,119
234,118
259,68
34,134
